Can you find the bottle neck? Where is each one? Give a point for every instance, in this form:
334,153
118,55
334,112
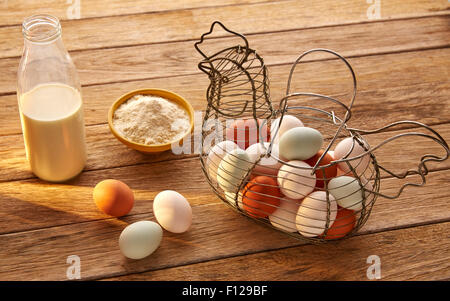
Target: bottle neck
42,38
41,29
55,44
44,59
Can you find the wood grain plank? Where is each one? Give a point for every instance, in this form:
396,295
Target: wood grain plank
13,12
422,74
402,256
180,58
190,24
217,232
14,165
423,98
39,204
74,226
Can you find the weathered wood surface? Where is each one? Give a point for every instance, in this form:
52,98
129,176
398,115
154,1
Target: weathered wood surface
402,61
180,58
190,24
42,253
397,155
407,258
385,80
13,12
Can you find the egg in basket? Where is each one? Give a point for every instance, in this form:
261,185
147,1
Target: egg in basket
299,168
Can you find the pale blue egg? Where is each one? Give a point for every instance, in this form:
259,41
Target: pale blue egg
140,239
347,191
300,143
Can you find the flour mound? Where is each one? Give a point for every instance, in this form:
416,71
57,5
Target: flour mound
149,119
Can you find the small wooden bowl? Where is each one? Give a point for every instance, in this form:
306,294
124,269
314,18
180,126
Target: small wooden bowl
153,148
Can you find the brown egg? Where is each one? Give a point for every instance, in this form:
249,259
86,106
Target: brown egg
113,197
261,196
343,224
245,132
330,172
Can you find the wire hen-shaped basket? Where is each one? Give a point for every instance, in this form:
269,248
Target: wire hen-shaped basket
299,168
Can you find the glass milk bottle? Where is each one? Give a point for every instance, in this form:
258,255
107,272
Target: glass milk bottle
50,104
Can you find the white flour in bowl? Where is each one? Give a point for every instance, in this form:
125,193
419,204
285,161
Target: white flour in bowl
149,119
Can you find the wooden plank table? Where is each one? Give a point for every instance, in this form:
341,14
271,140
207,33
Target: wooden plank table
402,59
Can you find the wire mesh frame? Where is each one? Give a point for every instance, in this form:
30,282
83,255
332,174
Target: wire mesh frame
239,81
361,216
214,113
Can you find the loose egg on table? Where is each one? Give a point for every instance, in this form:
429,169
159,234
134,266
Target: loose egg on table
313,213
347,191
216,154
245,132
232,169
295,179
268,165
287,123
261,196
113,197
321,174
347,149
140,239
172,211
284,216
300,143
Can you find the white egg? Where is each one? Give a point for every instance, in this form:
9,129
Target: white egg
300,143
313,213
342,150
140,239
267,165
288,123
347,191
231,198
216,155
172,211
294,182
284,216
232,170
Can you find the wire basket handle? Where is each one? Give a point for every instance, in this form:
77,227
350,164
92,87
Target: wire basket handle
422,169
336,120
297,61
